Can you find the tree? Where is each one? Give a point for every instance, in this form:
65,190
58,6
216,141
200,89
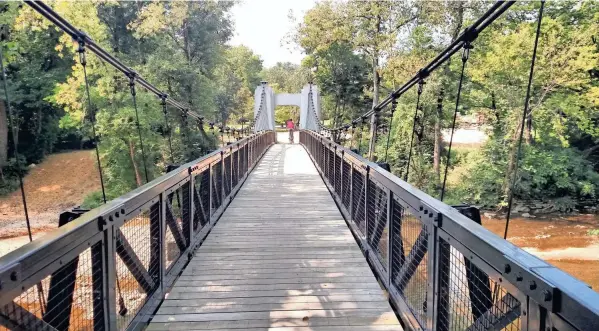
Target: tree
342,76
286,77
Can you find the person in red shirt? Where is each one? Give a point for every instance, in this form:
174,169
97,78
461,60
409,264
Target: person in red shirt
291,128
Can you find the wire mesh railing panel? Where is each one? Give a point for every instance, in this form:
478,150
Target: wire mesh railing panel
235,169
227,175
77,280
69,299
346,184
137,263
201,196
376,213
409,246
358,200
337,181
177,229
331,166
217,194
322,156
468,299
242,163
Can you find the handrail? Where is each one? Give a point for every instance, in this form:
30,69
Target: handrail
462,257
202,188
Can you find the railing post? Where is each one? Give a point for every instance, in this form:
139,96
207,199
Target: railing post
99,286
389,236
110,303
341,176
440,308
162,241
351,192
191,205
222,178
366,218
210,183
334,176
238,163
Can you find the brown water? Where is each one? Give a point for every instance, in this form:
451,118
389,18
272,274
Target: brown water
563,241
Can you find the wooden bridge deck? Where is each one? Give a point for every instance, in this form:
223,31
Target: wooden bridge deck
280,258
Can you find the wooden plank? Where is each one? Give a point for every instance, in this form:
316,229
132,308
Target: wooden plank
317,324
361,270
268,307
269,287
272,293
273,300
278,314
281,258
201,275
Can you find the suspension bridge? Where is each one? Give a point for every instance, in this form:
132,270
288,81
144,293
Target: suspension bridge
265,235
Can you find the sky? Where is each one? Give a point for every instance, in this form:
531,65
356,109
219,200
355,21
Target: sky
263,24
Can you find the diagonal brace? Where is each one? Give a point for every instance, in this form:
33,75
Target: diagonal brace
412,261
133,263
171,222
495,318
15,317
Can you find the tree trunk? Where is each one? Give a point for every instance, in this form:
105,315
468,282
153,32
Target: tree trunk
375,93
528,128
438,138
511,163
375,101
138,179
3,137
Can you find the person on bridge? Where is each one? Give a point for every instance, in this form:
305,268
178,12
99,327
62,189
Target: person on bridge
291,128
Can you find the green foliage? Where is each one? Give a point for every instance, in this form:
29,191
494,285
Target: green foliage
9,179
285,77
342,77
178,46
559,175
560,156
593,232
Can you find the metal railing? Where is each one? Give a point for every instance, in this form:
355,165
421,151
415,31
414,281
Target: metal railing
442,270
110,268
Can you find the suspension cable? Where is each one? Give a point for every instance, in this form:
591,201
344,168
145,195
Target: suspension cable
141,141
524,114
393,106
465,55
92,114
420,88
488,17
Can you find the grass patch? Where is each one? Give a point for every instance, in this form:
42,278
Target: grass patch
593,232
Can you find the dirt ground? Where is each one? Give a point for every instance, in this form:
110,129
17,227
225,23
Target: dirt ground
563,241
59,183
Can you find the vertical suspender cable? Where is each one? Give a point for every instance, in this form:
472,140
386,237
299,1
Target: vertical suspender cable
141,141
393,106
420,87
353,130
360,138
167,127
15,138
465,56
524,114
92,113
